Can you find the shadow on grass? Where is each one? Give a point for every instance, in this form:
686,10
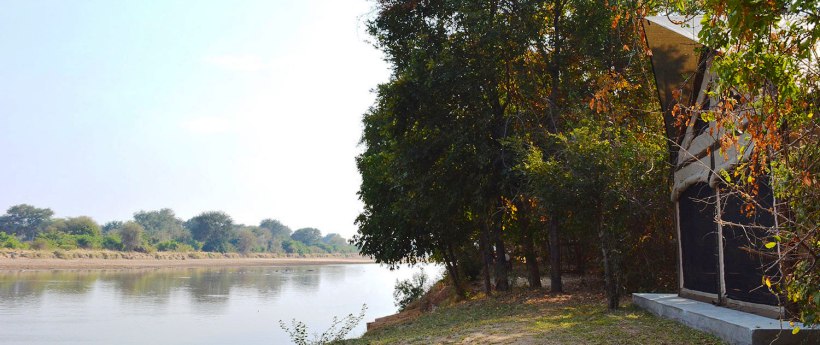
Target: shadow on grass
533,317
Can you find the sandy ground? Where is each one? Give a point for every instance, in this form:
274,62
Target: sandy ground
9,264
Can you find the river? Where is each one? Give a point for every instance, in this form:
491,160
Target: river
189,305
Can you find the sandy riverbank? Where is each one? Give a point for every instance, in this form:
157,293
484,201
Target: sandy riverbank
40,260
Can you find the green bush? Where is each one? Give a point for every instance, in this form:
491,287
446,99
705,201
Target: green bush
295,247
58,239
86,241
174,246
10,241
410,290
112,242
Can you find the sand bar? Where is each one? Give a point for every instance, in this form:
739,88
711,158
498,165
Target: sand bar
23,263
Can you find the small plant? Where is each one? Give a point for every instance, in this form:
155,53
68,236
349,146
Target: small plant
337,331
410,290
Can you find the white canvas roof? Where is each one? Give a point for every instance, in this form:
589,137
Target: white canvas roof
688,27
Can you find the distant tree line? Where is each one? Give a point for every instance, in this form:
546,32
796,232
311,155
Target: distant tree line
28,227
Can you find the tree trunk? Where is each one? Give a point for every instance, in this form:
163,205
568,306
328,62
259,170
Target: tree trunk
533,274
486,256
452,269
580,259
556,285
610,281
502,282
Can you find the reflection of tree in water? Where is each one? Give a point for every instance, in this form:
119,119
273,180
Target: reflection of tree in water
22,286
304,278
208,287
140,284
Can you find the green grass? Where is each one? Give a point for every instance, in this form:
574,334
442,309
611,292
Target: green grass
525,317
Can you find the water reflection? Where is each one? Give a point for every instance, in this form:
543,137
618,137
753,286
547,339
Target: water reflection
204,285
194,305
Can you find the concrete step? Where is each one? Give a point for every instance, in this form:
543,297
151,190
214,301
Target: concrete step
734,327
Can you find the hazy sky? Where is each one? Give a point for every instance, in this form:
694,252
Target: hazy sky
249,107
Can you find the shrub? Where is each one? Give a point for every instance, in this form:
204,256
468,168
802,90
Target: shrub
88,241
10,241
112,242
42,244
174,246
338,330
410,290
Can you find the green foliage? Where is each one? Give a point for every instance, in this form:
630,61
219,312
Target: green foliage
82,225
86,241
25,220
174,246
112,226
55,239
162,225
131,235
276,228
112,241
10,241
308,236
295,247
410,290
245,241
213,229
338,330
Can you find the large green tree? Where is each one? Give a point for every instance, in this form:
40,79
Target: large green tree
308,236
25,220
214,229
131,235
162,225
276,228
82,225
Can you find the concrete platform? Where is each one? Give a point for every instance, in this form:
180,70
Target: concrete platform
734,327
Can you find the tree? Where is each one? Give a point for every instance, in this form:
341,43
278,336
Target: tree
767,82
162,225
131,235
335,240
276,228
25,220
112,226
245,241
213,228
308,236
82,225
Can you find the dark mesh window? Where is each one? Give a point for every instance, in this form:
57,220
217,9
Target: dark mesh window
698,238
742,267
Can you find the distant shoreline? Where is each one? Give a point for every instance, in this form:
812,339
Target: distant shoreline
17,260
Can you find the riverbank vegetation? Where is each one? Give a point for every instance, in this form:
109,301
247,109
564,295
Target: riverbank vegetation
28,227
530,132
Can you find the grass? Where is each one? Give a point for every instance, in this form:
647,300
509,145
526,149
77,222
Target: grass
536,317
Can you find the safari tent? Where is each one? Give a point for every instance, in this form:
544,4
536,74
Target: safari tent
717,260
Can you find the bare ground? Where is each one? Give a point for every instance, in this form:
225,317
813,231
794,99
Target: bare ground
51,260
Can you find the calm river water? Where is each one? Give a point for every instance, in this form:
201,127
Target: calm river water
189,305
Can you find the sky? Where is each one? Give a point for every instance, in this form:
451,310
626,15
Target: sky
249,107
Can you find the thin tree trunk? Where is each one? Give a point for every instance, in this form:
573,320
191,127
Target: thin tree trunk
486,256
533,274
452,269
556,285
502,282
610,281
